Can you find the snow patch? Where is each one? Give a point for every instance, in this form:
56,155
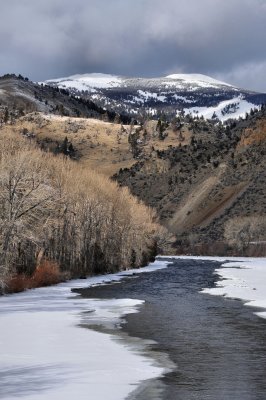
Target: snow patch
242,278
148,95
87,82
183,98
199,79
233,108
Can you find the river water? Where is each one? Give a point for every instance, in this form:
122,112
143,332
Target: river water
217,346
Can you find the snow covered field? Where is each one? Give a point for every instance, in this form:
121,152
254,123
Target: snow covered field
241,278
238,107
47,351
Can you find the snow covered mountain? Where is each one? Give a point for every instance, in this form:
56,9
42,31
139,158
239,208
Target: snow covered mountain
194,93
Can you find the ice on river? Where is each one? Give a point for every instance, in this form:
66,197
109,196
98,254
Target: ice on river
241,278
46,352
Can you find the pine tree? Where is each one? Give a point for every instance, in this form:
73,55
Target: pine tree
6,116
64,147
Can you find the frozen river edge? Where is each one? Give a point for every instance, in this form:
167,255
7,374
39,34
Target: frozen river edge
242,278
47,352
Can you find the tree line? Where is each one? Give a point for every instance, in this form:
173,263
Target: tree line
54,212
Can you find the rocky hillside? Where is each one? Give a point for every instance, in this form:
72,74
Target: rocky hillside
141,97
218,175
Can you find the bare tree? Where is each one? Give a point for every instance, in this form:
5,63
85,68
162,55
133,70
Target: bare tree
241,231
54,209
27,201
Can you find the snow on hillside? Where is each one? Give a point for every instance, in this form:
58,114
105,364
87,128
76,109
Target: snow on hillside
234,108
198,79
87,81
148,95
105,81
195,93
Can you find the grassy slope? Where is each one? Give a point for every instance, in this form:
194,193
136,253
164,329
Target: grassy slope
100,145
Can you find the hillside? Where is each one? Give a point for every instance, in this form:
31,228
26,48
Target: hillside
198,174
22,96
198,188
98,145
60,219
141,97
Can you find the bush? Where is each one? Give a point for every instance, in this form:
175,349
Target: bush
17,284
46,274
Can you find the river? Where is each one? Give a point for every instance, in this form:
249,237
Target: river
140,336
217,345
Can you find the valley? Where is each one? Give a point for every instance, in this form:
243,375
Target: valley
132,200
200,182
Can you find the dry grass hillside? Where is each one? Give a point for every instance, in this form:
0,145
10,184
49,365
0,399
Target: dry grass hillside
99,145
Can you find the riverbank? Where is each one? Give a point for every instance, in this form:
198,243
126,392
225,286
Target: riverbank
177,342
217,345
242,278
48,352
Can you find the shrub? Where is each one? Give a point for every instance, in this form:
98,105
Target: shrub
17,284
46,274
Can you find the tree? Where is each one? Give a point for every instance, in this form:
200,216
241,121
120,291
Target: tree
54,210
117,119
64,147
133,142
27,202
6,116
240,232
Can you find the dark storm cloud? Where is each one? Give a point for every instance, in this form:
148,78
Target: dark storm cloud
52,38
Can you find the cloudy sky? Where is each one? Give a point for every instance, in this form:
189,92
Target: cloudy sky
225,39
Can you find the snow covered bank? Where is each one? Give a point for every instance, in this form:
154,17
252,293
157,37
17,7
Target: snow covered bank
241,278
47,351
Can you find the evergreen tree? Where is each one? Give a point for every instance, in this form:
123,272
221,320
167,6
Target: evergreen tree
6,115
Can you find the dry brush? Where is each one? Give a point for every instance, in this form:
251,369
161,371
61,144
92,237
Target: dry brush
54,210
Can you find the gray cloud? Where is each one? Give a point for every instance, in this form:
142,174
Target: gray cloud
51,38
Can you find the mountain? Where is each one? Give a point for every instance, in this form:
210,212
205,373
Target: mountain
192,93
21,96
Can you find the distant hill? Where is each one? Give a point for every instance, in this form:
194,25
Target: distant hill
140,97
23,96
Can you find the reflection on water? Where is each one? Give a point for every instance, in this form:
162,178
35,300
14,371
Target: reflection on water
217,345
